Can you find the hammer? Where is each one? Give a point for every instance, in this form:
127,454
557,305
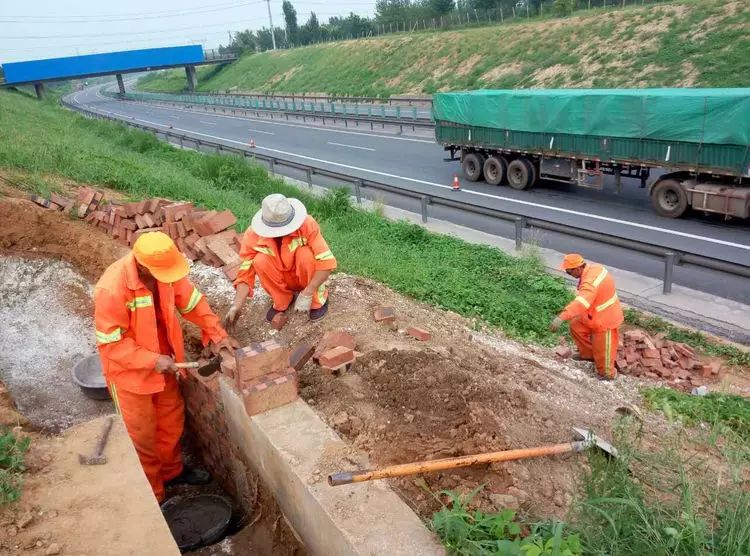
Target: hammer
98,457
585,439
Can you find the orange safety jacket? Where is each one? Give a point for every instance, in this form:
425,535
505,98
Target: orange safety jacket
307,234
126,329
596,300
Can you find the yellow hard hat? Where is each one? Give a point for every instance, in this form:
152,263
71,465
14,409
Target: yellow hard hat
158,253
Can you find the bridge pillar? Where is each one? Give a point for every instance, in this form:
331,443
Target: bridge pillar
39,88
120,83
192,78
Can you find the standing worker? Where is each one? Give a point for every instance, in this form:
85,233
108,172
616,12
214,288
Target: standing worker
285,248
595,314
140,340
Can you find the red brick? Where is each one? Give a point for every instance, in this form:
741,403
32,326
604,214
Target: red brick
270,391
149,220
332,339
219,222
301,355
563,352
199,226
191,239
226,254
175,211
231,271
684,350
649,374
128,224
256,360
60,200
180,229
152,205
384,314
651,354
631,356
621,364
337,357
419,333
651,362
682,374
279,320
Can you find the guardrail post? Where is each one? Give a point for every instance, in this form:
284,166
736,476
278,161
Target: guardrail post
358,190
669,260
308,173
520,223
182,146
425,200
273,167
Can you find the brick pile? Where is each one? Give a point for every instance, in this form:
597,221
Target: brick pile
335,352
199,234
656,357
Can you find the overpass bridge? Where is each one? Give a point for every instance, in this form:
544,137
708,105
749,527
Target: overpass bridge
39,72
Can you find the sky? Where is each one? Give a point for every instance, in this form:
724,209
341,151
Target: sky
37,29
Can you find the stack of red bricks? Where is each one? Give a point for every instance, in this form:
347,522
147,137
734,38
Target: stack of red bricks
335,352
265,377
199,234
657,357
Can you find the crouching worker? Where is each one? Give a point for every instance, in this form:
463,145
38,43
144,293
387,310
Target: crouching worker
138,334
285,249
595,314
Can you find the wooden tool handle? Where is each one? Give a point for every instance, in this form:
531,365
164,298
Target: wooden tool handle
415,468
191,365
104,437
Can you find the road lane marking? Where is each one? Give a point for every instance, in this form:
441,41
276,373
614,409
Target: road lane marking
351,146
263,132
173,116
207,123
478,193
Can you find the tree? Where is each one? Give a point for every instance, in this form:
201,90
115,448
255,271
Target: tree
310,31
441,7
290,18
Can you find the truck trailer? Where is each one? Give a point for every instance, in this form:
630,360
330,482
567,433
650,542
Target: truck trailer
697,141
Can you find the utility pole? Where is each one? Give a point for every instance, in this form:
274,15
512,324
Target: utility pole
270,21
230,36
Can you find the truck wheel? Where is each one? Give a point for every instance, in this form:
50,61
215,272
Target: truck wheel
520,174
472,166
495,168
532,173
669,199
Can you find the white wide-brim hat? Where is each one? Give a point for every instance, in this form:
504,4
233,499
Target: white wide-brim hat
278,216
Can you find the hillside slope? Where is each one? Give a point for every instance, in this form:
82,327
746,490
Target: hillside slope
685,43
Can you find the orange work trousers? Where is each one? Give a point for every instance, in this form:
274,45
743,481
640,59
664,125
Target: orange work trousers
599,345
282,284
154,423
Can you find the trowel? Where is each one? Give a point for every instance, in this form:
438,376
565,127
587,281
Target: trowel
204,368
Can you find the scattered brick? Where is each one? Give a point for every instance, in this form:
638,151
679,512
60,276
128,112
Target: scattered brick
279,320
332,339
222,250
220,221
563,352
384,314
419,333
336,358
270,391
651,353
231,271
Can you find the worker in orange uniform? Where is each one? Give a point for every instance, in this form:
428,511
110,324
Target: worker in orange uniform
286,250
595,314
140,340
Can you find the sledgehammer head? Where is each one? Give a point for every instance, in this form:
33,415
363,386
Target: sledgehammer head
590,439
92,460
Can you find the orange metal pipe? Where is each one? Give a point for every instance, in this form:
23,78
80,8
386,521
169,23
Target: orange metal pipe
415,468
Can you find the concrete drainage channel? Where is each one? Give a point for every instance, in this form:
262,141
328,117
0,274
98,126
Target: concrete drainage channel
269,464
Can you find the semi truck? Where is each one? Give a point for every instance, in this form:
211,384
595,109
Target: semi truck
689,147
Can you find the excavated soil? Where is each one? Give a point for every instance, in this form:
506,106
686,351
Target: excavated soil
464,391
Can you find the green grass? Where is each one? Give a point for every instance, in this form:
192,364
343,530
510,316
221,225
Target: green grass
12,450
723,411
514,294
653,325
683,43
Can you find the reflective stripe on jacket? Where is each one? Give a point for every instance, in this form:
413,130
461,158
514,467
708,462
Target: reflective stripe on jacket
307,235
596,298
125,321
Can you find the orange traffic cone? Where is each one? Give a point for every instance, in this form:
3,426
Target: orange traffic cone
252,143
456,185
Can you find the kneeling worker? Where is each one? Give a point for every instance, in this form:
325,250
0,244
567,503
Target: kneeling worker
285,248
140,340
595,314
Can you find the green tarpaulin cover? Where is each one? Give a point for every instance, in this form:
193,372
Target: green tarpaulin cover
718,116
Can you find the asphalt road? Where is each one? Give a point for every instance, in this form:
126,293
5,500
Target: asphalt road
417,163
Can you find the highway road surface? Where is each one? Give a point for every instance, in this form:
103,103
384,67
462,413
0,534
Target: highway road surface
417,163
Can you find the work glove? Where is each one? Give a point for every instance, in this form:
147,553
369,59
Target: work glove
230,318
303,303
556,324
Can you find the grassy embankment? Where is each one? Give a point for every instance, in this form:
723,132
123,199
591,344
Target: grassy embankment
683,43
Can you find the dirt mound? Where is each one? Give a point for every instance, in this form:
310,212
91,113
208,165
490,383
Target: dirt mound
32,230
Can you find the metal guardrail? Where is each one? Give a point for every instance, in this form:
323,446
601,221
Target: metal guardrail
304,110
670,257
425,102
